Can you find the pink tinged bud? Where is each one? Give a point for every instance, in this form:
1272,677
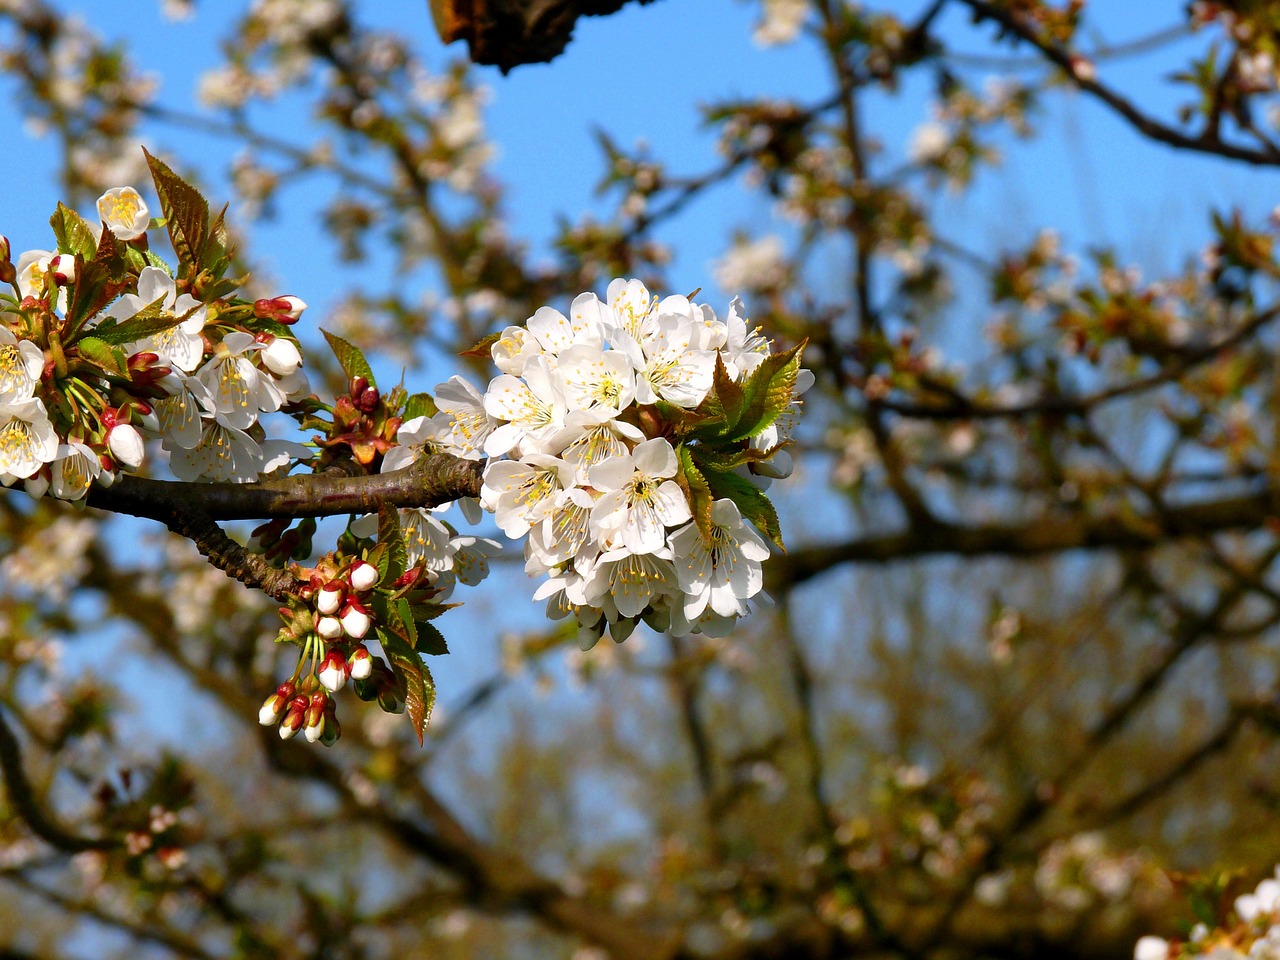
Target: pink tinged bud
126,446
361,663
5,249
334,671
274,706
281,357
295,307
355,621
364,576
294,719
315,716
329,598
64,269
330,628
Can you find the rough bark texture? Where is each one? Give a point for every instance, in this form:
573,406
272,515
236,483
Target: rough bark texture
508,33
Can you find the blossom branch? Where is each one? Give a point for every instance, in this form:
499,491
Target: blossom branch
431,481
1207,141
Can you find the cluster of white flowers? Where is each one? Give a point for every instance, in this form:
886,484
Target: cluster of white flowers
204,389
1255,935
590,475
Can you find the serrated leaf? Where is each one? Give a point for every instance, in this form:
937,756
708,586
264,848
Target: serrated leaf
482,349
110,358
349,358
98,282
750,500
696,491
721,409
431,641
148,321
768,392
218,252
74,234
186,213
412,676
404,614
420,405
391,540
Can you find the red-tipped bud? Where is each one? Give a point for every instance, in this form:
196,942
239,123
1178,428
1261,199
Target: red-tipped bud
355,620
334,671
368,401
293,720
329,598
363,576
5,249
280,309
330,628
315,716
64,269
409,577
361,662
274,706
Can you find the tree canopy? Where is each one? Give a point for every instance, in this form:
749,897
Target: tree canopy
1008,291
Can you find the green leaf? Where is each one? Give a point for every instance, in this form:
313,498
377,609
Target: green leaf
696,491
413,677
721,408
75,235
110,358
150,320
768,392
350,358
217,255
751,501
404,616
420,405
431,641
392,541
186,213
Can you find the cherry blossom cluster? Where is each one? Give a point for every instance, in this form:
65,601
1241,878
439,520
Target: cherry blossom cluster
92,365
1252,934
348,600
629,443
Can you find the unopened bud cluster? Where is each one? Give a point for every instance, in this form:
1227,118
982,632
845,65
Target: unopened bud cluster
330,623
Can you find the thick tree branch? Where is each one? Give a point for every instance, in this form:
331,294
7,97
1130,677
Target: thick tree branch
1052,533
435,479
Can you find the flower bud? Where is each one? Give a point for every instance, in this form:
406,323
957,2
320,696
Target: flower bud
363,576
5,250
361,662
355,621
330,628
274,706
64,269
281,357
126,446
334,671
294,719
295,307
329,597
315,716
